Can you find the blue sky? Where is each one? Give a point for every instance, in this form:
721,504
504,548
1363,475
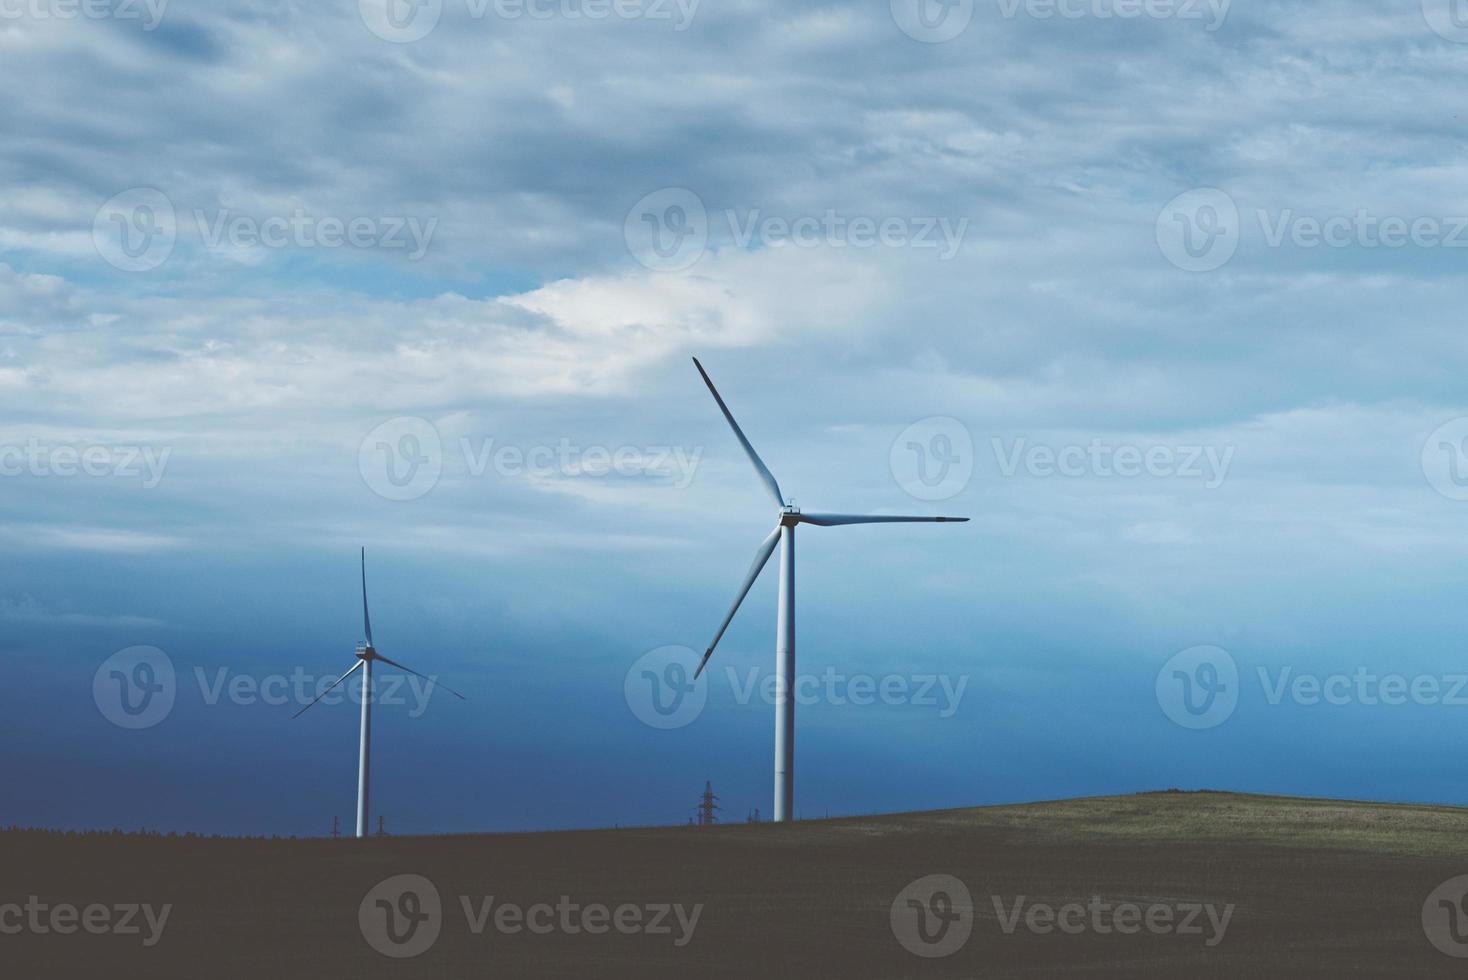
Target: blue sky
1178,296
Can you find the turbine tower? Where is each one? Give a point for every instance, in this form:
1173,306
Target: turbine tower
784,535
366,655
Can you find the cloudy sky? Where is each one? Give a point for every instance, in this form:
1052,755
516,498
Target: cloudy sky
1166,296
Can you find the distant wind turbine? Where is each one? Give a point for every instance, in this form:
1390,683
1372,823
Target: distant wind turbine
366,654
784,535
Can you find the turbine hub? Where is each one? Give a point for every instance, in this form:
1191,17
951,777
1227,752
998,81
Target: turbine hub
365,652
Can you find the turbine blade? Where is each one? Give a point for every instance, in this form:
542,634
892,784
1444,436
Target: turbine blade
366,619
759,464
761,558
329,689
432,680
839,520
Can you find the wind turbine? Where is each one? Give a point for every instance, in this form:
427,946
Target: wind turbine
366,654
784,536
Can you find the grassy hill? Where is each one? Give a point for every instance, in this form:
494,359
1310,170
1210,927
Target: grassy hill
1300,888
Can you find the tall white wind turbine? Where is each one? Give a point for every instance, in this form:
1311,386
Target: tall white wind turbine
784,536
366,655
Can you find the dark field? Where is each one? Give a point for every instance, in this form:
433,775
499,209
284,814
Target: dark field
1319,888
